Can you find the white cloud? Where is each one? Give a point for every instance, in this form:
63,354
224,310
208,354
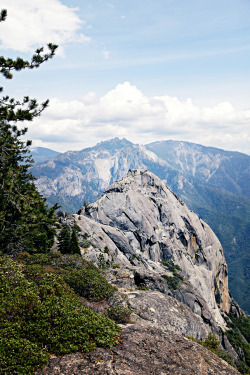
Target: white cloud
34,23
126,112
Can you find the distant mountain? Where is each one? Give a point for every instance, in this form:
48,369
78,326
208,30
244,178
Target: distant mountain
41,154
212,166
212,182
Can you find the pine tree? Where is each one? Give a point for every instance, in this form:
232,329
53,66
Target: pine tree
26,223
64,240
74,244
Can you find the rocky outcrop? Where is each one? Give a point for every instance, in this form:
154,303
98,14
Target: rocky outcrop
143,351
155,309
145,224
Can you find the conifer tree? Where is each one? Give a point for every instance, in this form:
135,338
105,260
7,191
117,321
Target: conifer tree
25,221
74,244
64,240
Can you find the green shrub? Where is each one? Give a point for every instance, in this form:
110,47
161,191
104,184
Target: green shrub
116,265
90,284
21,357
57,260
142,287
171,266
40,315
119,314
106,250
86,243
174,282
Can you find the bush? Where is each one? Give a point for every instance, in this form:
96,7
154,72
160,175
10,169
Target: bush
90,284
115,265
106,250
20,356
56,260
82,276
119,314
171,266
40,315
174,282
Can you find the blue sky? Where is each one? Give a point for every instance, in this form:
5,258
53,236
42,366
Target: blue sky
144,70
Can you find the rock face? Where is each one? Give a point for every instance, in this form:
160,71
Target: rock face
143,351
147,224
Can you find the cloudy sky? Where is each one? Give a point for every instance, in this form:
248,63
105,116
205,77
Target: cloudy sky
145,70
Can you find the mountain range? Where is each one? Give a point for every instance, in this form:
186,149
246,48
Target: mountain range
213,183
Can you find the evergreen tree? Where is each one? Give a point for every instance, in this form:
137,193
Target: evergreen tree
64,240
74,244
25,221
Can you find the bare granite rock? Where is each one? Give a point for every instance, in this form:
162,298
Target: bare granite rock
155,309
143,351
144,222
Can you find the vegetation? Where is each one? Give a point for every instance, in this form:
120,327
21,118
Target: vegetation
56,260
171,266
175,281
82,276
64,240
120,314
41,315
85,241
25,221
89,283
213,344
68,242
102,264
115,265
238,336
242,323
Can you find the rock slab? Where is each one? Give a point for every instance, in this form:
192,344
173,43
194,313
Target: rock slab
143,351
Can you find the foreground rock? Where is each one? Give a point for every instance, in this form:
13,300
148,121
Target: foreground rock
143,351
154,309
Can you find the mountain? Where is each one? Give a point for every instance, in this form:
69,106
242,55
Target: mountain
145,224
212,182
41,154
226,170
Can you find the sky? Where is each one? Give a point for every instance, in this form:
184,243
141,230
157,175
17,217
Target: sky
143,70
